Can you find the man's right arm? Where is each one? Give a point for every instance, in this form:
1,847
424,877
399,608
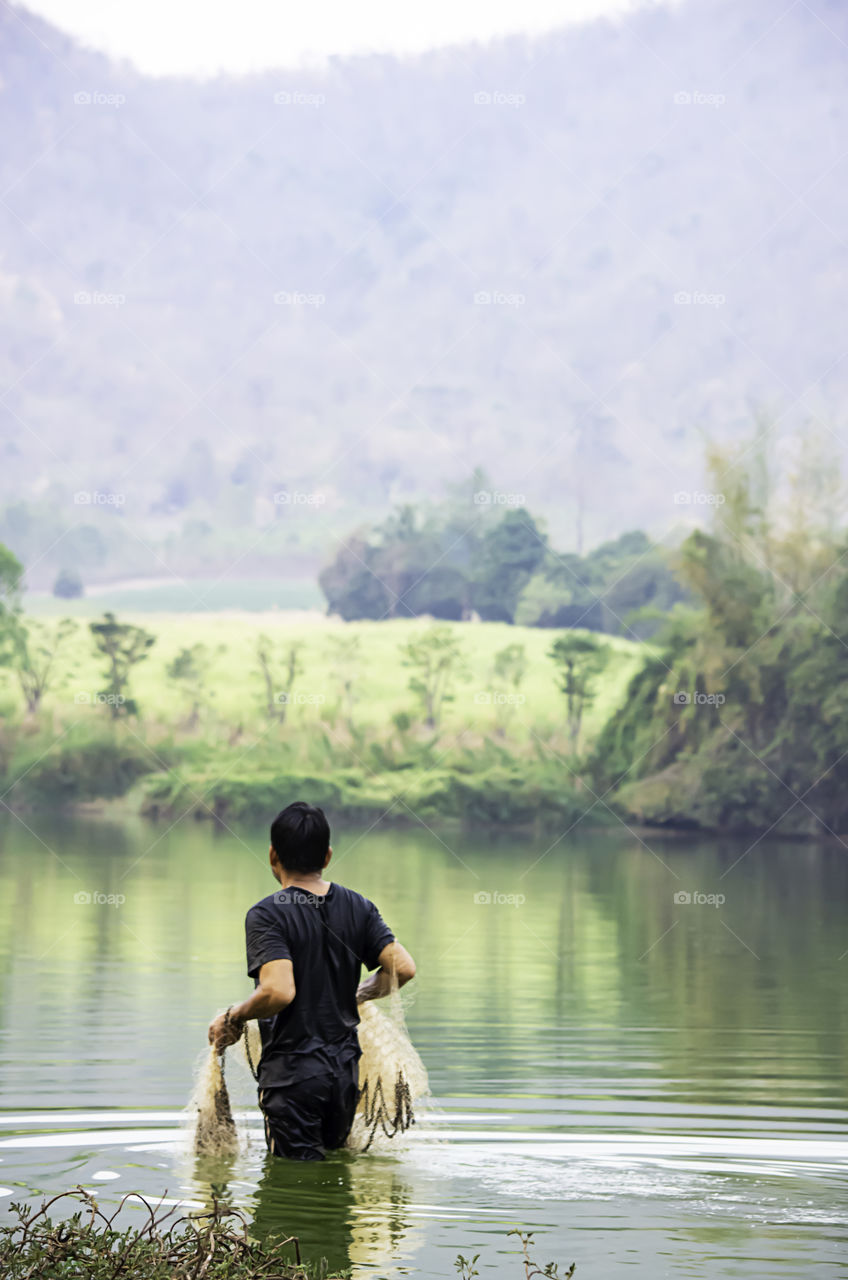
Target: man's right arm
274,992
396,967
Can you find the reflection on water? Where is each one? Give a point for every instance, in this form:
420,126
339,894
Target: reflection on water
644,1082
351,1211
469,1177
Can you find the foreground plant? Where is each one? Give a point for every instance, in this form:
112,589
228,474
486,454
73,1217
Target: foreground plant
215,1245
467,1268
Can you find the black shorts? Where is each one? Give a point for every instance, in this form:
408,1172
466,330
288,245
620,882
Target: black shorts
306,1118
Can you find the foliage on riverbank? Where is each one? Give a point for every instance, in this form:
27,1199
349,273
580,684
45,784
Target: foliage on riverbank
216,1245
740,721
397,775
734,719
400,719
90,1243
495,797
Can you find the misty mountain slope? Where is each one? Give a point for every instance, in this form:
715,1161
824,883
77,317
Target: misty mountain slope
582,183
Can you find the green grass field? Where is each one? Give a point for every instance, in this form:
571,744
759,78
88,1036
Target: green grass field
235,689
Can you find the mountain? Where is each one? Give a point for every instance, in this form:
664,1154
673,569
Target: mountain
565,259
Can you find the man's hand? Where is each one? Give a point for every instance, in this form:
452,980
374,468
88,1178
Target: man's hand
223,1032
397,967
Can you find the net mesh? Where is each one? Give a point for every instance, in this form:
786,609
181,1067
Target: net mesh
215,1131
392,1077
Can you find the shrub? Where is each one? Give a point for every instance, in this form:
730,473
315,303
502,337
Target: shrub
215,1245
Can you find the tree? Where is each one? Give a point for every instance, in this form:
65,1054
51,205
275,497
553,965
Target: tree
123,646
441,591
436,659
11,580
190,672
509,555
803,554
642,594
579,659
34,650
511,664
277,698
738,594
510,667
11,576
68,585
411,564
345,662
744,701
352,587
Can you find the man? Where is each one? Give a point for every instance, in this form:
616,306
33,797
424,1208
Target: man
305,948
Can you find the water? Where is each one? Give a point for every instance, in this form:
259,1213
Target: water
654,1087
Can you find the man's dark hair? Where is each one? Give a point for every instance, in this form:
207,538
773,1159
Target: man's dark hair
300,834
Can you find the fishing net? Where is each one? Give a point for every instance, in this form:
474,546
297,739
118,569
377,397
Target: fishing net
215,1131
392,1077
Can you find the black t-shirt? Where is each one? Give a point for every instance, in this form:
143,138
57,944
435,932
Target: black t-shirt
327,938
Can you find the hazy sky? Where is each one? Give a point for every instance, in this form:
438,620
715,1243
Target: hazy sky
203,36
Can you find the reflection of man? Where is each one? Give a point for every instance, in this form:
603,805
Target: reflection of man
354,1213
305,948
315,1202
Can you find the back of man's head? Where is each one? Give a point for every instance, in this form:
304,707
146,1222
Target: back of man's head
300,835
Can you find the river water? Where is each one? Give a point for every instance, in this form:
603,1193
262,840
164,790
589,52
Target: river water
651,1085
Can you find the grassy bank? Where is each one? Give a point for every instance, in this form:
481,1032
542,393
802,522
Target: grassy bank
215,1245
91,1243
